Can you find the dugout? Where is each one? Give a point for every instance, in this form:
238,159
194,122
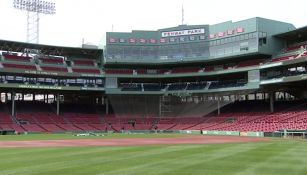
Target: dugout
7,132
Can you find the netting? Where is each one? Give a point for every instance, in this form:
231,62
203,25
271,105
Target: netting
168,105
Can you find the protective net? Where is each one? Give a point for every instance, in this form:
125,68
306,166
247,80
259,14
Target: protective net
175,106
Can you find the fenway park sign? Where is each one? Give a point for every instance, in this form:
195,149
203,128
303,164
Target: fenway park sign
183,32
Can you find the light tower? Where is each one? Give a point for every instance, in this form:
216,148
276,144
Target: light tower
33,9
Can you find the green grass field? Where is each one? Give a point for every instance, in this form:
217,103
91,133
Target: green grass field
276,157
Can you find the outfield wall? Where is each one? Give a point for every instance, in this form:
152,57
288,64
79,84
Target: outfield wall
203,132
233,133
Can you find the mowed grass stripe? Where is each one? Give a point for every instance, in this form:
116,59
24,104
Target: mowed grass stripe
199,161
193,156
38,154
61,158
233,164
99,156
112,165
285,159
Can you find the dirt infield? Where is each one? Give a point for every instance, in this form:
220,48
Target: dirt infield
129,141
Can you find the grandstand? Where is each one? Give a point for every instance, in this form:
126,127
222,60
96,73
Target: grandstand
242,76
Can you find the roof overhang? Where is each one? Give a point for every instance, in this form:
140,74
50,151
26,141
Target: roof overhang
297,34
15,46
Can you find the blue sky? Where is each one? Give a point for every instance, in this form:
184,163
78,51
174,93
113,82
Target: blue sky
91,19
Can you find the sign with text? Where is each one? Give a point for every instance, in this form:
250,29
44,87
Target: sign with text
183,32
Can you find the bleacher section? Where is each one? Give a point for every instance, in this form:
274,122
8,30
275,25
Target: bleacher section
250,63
292,52
182,85
228,122
227,84
151,71
86,70
19,66
49,122
177,87
284,58
57,61
131,87
84,66
90,67
239,116
16,58
119,71
84,62
52,64
49,64
185,70
153,87
241,120
296,46
209,69
197,86
54,69
5,118
39,117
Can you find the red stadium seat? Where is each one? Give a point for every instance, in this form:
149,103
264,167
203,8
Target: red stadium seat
119,71
52,60
89,71
54,69
18,66
83,63
17,58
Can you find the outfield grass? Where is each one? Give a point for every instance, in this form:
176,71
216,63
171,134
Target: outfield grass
278,157
72,136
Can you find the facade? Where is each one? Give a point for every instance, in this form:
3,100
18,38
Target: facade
197,42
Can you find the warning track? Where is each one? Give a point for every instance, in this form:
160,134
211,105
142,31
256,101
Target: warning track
129,141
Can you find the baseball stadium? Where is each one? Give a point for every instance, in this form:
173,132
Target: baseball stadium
227,98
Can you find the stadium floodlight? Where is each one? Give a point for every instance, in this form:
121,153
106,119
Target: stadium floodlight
33,9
